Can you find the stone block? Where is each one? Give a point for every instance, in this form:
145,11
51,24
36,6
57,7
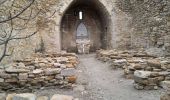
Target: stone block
37,71
154,63
24,96
10,96
165,97
71,79
61,97
52,71
23,76
68,72
12,80
165,85
42,98
15,70
2,96
1,80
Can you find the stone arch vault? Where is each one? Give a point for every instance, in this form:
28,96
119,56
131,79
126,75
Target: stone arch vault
97,20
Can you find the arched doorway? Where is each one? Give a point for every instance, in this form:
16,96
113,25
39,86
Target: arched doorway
85,19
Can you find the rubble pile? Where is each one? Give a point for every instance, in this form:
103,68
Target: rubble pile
31,96
149,80
40,70
157,69
166,86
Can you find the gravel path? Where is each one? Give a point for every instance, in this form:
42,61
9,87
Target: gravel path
104,83
97,81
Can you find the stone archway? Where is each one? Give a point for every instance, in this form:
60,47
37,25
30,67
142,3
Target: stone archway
95,18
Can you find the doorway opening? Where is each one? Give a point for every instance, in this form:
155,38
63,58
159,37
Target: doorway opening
85,20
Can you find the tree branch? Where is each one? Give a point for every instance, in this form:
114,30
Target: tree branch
3,21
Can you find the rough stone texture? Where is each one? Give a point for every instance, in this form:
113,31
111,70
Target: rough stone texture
24,96
133,60
130,24
40,71
148,71
31,96
42,98
10,96
149,80
68,72
61,97
165,97
2,96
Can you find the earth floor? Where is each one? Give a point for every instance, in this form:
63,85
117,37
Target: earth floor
98,81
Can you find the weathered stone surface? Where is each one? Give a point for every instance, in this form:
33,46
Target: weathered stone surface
62,59
24,96
71,79
68,72
42,98
154,63
2,96
142,74
23,76
14,70
165,97
57,64
37,71
1,80
165,85
52,71
10,96
61,97
12,80
21,65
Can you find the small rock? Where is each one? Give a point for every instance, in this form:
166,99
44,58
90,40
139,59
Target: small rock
142,74
165,85
68,72
165,97
42,98
154,63
21,65
2,96
57,65
23,76
1,80
52,71
14,70
10,96
37,71
61,97
71,79
24,96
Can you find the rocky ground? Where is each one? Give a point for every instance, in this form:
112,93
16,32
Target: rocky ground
98,81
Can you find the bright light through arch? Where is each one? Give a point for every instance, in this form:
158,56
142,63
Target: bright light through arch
80,15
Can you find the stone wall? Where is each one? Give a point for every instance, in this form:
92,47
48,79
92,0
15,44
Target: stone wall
148,71
132,24
41,70
149,24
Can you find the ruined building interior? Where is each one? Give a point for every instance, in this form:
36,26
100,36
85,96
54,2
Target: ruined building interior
84,49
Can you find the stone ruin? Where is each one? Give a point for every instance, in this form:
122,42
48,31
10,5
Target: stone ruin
40,70
30,96
148,72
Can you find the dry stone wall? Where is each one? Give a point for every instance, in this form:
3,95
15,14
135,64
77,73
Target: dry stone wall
148,71
149,24
41,70
31,96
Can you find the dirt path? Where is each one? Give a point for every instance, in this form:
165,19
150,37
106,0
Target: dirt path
104,83
97,81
